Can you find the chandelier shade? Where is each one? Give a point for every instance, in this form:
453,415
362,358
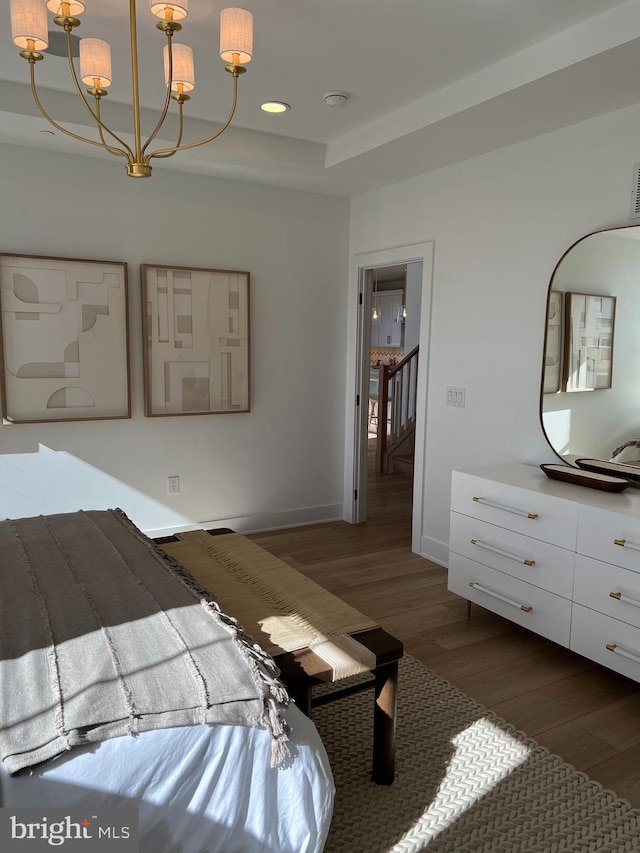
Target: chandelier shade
72,8
95,63
174,11
183,74
236,36
29,24
29,31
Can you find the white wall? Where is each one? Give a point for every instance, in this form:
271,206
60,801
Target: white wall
280,464
500,223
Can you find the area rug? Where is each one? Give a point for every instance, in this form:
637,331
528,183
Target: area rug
466,782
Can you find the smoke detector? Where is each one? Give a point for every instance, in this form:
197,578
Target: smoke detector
336,99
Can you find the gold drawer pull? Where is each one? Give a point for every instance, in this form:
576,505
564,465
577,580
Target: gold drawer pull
625,599
526,607
504,508
625,544
616,649
495,550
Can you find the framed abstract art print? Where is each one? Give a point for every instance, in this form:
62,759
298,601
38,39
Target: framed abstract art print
64,339
196,340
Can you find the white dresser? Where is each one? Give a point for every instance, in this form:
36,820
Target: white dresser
559,559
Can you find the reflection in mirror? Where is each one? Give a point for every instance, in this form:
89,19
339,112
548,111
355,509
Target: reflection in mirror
588,341
594,420
553,345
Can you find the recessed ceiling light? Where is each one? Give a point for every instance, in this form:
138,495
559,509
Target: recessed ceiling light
275,107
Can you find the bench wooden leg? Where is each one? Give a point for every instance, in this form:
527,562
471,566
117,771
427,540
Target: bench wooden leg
384,723
302,697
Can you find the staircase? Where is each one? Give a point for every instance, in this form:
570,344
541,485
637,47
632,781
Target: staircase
403,464
397,390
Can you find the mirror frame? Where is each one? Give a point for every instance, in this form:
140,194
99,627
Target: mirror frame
546,315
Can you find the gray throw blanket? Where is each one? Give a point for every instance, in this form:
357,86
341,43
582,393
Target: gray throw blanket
102,635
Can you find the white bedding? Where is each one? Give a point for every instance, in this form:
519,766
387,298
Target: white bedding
197,788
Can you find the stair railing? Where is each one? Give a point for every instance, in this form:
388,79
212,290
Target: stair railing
397,391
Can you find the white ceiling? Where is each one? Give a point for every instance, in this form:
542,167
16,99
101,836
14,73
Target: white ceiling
431,82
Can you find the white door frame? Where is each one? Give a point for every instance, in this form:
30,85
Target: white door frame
355,475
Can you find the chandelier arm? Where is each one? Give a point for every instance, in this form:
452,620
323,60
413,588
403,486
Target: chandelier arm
167,99
100,131
180,130
166,152
64,130
112,149
128,153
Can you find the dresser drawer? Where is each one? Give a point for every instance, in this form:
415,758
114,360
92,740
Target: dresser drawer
607,589
544,612
522,557
532,513
598,532
592,632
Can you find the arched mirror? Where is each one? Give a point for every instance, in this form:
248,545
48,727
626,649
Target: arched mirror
590,391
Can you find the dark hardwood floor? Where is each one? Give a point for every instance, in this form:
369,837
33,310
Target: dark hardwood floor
587,714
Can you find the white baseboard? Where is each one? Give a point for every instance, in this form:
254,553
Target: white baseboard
261,522
437,552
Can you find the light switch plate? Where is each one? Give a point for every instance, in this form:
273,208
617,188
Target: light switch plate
456,396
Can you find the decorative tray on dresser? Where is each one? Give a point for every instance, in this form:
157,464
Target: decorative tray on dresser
560,559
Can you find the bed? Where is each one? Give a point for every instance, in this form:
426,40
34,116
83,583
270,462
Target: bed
210,764
197,788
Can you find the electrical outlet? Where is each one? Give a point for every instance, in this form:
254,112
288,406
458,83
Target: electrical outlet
173,485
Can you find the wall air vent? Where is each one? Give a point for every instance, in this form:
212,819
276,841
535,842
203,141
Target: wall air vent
635,193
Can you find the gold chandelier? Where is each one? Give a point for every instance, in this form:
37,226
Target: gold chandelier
29,31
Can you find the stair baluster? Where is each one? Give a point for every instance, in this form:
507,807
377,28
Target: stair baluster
397,392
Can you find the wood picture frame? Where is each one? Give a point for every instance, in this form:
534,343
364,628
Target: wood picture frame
195,340
553,352
588,341
64,339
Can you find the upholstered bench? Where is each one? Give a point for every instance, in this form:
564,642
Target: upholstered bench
314,636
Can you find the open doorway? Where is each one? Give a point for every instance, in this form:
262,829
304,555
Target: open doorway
395,282
394,343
